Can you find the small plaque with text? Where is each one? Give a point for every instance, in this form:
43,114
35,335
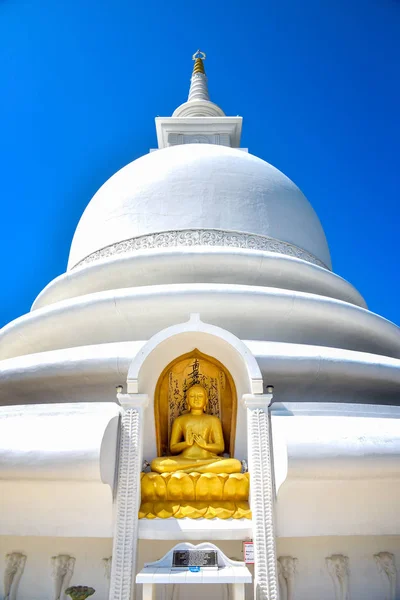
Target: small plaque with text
194,558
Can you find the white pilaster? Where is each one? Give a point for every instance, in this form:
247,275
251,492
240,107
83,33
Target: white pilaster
262,496
122,584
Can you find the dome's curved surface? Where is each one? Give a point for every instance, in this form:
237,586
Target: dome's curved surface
198,186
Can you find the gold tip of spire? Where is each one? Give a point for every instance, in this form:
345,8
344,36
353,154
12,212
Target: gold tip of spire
198,67
198,58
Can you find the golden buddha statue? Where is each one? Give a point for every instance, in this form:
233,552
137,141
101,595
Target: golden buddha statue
196,441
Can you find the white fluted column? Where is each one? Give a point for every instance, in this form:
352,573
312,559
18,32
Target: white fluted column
123,569
262,496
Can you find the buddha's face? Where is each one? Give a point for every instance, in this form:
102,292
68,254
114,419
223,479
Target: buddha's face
197,398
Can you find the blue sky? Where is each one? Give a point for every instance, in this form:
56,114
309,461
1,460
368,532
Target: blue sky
317,82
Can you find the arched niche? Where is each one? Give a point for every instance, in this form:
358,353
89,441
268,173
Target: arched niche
170,399
169,344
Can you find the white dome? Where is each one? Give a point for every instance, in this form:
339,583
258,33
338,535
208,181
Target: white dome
199,187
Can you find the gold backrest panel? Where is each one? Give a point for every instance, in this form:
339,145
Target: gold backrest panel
171,391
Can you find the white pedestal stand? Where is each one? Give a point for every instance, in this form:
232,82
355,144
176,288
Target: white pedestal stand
231,572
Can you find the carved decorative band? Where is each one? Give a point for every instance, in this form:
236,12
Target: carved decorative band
124,551
202,237
266,579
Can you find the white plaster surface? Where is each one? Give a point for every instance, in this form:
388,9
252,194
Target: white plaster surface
189,529
198,185
55,508
205,264
340,447
335,475
57,441
300,373
249,312
157,576
319,507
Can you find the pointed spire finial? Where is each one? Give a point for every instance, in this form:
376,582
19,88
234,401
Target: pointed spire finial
199,57
198,85
198,103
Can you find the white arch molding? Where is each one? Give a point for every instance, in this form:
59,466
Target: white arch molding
179,339
174,341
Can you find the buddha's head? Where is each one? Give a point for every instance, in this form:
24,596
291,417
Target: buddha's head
197,397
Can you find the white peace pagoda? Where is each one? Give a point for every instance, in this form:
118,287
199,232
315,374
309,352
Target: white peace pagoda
200,249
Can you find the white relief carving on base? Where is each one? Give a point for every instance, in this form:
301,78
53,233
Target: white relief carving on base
107,563
287,568
14,567
107,567
262,497
62,568
387,569
338,569
201,237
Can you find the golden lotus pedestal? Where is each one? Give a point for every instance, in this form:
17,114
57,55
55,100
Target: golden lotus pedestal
195,496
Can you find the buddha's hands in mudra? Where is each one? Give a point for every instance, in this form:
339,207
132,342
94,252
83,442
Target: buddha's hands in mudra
201,442
194,438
